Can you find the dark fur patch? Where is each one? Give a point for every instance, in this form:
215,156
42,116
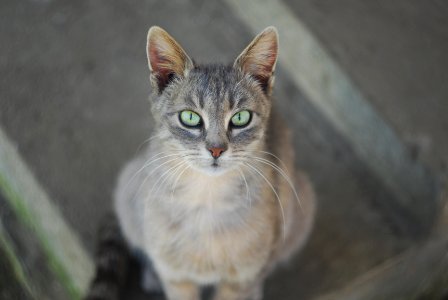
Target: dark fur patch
112,262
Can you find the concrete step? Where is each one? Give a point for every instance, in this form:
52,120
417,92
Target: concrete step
25,271
74,85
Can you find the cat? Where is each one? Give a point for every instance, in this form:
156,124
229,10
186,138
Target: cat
214,199
112,260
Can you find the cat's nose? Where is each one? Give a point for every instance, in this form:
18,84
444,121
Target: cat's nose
216,151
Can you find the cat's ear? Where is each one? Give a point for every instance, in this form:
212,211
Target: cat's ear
166,58
260,57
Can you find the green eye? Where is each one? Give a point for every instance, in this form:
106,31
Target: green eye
190,118
241,118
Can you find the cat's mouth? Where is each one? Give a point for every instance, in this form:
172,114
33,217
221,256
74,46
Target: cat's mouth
214,168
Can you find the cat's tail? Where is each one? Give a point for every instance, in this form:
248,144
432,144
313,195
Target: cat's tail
112,262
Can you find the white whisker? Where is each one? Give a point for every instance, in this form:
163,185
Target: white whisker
152,172
176,181
149,162
247,187
175,168
275,156
284,175
147,141
276,195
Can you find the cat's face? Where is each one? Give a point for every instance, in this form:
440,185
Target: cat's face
215,117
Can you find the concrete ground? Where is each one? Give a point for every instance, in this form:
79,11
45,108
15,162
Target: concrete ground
396,52
73,97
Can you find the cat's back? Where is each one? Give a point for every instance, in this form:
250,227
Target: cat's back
279,142
293,185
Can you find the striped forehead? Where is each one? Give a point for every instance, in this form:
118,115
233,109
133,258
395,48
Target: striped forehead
214,89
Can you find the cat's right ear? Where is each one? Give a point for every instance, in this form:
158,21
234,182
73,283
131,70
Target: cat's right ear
260,57
166,58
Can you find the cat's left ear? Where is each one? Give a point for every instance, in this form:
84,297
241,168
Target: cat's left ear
260,57
166,58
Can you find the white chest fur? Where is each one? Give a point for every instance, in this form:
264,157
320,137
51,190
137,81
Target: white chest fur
206,229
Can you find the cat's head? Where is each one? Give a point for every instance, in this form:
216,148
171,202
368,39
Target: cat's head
215,115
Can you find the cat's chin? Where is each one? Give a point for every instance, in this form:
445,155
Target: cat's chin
214,170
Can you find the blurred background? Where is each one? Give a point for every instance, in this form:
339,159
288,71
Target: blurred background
363,84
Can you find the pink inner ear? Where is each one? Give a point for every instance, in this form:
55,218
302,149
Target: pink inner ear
263,65
159,63
166,57
260,64
259,58
271,58
163,64
154,59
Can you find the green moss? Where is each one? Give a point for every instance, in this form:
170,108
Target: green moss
13,261
25,215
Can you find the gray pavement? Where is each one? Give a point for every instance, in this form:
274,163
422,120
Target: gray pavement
396,52
73,96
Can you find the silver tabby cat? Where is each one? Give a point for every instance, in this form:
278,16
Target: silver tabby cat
215,199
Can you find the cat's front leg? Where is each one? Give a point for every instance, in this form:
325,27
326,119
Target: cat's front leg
181,290
239,291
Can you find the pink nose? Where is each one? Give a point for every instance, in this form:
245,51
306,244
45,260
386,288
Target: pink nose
216,152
